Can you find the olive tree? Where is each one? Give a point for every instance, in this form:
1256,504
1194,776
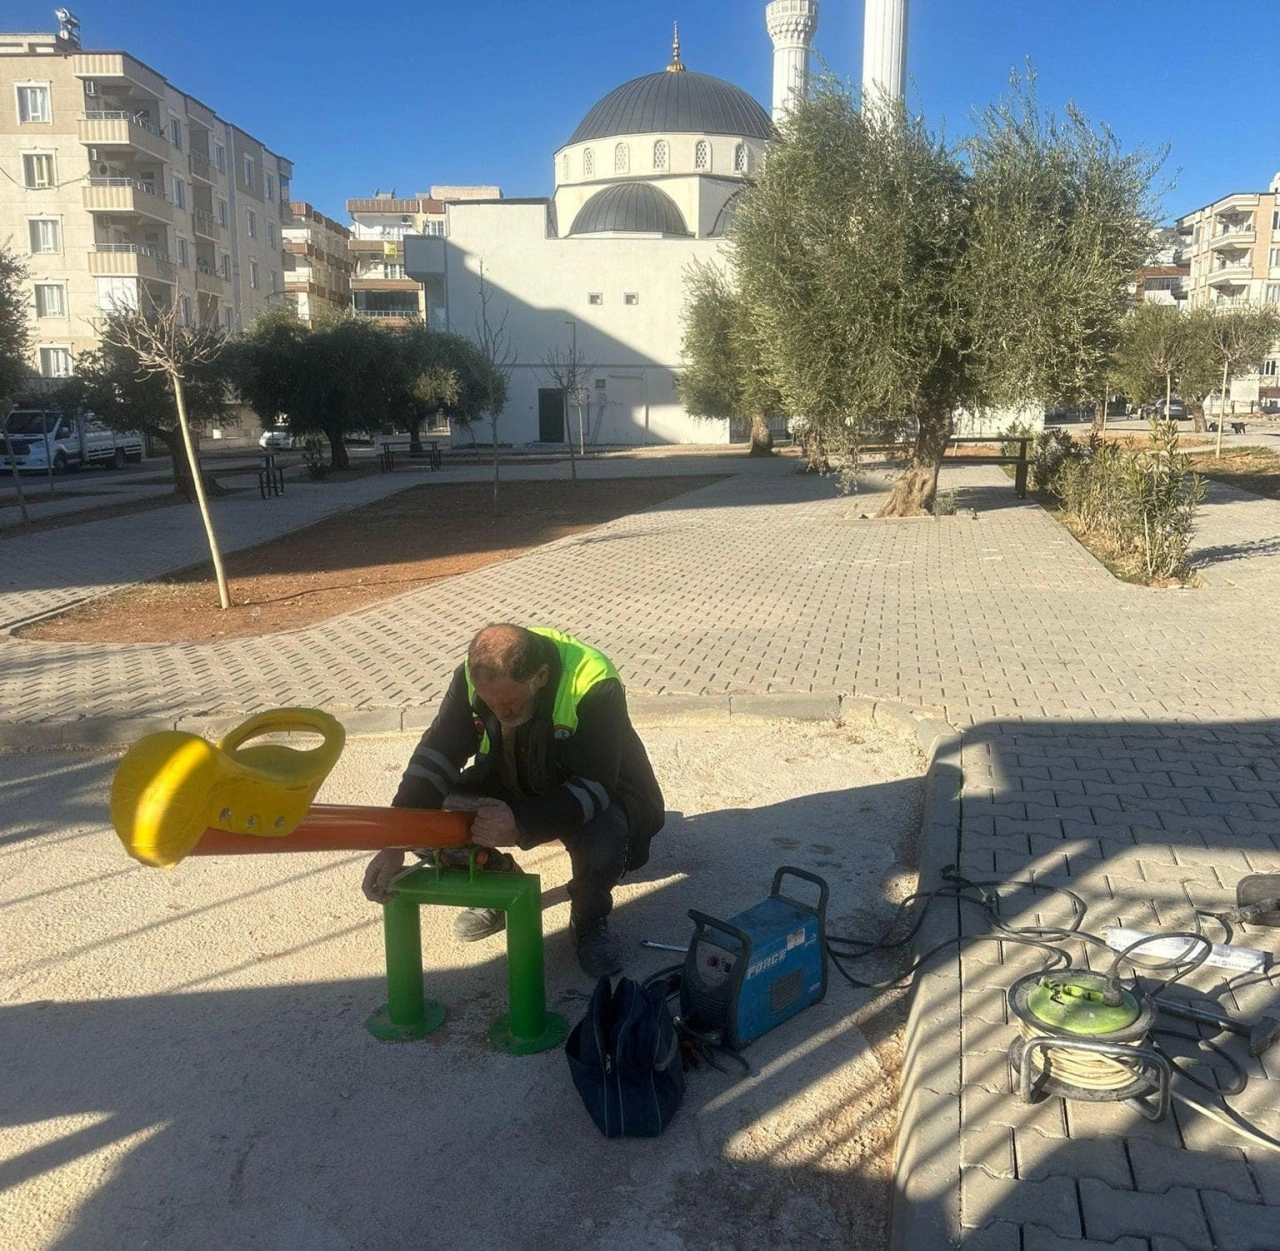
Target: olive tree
1155,348
891,276
15,338
725,376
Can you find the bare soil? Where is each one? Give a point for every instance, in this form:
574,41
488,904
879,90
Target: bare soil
359,558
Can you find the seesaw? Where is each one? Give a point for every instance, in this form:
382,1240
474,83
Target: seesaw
175,795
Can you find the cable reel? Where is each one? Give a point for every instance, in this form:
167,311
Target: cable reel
1084,1037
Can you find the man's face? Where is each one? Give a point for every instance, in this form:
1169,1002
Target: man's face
512,702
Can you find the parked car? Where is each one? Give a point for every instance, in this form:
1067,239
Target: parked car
1177,409
276,438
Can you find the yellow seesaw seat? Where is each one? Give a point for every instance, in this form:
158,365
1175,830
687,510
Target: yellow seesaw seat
172,786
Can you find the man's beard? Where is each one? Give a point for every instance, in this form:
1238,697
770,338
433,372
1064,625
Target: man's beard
515,725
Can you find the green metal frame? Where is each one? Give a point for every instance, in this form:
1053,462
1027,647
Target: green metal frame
408,1015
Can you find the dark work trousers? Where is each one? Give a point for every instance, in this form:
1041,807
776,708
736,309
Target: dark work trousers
598,854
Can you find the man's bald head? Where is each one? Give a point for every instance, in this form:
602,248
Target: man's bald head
504,651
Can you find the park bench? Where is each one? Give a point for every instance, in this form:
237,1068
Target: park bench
1020,461
269,474
392,447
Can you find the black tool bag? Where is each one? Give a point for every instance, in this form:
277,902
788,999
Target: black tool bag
625,1059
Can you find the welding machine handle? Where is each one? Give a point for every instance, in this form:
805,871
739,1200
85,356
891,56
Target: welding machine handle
704,922
820,883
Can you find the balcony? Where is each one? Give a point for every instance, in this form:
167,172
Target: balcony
205,226
385,284
1233,237
201,168
392,315
113,128
1231,271
209,281
130,260
376,247
116,67
125,195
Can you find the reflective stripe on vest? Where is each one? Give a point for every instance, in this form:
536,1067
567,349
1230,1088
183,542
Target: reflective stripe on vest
581,667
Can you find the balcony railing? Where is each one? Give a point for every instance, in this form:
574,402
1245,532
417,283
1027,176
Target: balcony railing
205,224
200,167
115,128
402,314
135,260
126,195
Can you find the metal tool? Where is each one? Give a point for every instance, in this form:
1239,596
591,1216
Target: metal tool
648,942
1258,899
1260,1035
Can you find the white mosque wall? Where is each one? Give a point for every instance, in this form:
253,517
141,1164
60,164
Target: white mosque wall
642,157
632,336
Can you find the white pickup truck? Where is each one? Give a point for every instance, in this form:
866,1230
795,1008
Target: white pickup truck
41,437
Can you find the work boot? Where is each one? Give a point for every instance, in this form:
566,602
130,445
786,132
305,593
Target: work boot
473,924
599,952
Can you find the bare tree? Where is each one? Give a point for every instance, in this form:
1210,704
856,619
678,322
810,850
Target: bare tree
494,344
164,347
569,371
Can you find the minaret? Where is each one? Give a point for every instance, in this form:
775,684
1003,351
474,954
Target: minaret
884,50
791,26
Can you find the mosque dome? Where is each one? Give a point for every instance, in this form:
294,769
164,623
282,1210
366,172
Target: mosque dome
631,208
675,103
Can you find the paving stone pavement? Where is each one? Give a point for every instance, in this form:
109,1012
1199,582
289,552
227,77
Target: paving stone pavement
1117,740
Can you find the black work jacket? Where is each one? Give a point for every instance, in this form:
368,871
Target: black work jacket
563,780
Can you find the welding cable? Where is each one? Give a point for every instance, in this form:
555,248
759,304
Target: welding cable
1239,1080
1228,1116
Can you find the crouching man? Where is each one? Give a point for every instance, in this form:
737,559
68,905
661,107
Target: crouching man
557,757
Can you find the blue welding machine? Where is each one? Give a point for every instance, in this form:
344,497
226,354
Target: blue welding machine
745,975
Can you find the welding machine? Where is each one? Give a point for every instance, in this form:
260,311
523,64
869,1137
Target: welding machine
745,975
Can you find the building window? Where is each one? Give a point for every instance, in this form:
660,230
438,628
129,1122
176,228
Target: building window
251,223
253,274
222,213
220,157
46,234
275,281
227,318
702,155
1274,258
270,184
589,163
1269,368
740,159
180,193
621,159
33,104
55,362
631,297
595,297
602,384
37,170
226,266
435,229
248,171
51,299
271,233
1275,220
661,155
175,133
186,310
184,258
284,190
1273,293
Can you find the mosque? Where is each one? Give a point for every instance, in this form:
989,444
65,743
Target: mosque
644,187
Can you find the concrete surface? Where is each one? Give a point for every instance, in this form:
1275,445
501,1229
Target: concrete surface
186,1064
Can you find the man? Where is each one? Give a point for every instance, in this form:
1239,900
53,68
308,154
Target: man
556,757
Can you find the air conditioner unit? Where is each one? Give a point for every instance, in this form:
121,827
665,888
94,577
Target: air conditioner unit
406,220
103,170
90,87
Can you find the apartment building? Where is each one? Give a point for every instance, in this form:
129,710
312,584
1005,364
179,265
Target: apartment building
1233,249
317,263
119,190
379,287
1164,280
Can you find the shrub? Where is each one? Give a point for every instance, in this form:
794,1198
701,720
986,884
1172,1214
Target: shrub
313,456
1140,503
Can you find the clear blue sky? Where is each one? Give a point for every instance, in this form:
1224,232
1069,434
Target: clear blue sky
361,97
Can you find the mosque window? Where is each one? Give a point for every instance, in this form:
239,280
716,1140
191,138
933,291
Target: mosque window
589,163
595,297
630,297
661,155
702,155
740,159
621,159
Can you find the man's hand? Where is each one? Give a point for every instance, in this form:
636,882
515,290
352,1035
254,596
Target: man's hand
377,877
495,825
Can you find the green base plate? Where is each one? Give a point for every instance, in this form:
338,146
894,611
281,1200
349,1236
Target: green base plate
381,1027
555,1031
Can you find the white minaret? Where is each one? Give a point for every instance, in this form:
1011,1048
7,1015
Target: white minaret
884,49
791,27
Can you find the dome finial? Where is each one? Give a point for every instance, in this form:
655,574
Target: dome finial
677,65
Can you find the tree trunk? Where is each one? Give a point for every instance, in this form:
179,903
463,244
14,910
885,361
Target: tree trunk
183,483
415,436
914,492
224,593
337,450
1222,410
761,437
1196,409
